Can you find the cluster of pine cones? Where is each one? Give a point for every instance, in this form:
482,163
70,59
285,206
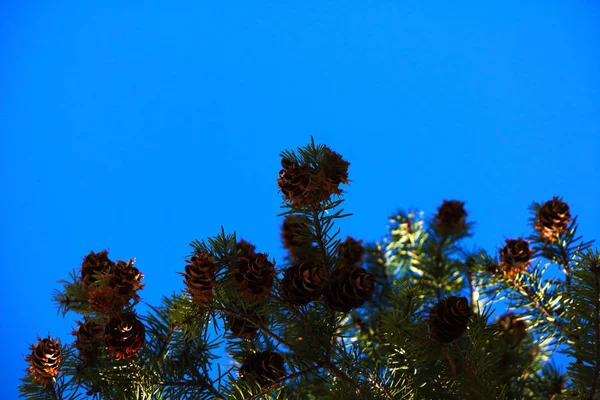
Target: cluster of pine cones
304,184
107,288
551,220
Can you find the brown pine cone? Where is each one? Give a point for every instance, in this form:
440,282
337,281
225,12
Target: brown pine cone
89,336
242,328
265,367
295,183
245,248
553,219
448,319
348,287
351,251
303,282
254,275
45,360
334,171
105,300
515,256
293,231
200,277
451,218
95,264
124,335
513,327
126,280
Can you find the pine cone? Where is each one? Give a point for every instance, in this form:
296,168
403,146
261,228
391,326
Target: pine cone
124,335
351,251
95,264
553,219
348,287
303,282
448,319
242,328
514,328
254,275
245,248
200,277
89,337
105,300
265,367
334,171
292,232
126,280
295,183
45,360
450,218
515,256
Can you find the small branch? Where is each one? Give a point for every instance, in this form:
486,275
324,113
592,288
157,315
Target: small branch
596,273
471,286
565,263
438,266
203,386
319,234
273,385
525,291
450,361
260,326
380,387
338,373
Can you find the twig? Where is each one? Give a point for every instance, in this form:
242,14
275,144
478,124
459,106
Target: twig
380,387
203,386
338,373
438,266
596,273
471,286
525,291
273,385
319,234
565,263
263,328
450,361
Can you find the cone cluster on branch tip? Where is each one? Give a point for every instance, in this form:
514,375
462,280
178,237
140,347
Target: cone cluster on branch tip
451,218
303,184
264,367
124,335
109,286
448,319
513,327
553,219
200,277
515,257
45,360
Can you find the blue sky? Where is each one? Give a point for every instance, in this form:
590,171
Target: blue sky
138,127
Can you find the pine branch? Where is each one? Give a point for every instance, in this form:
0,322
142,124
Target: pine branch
595,268
532,297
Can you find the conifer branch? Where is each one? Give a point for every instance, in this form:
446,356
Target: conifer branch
596,271
278,382
379,386
341,375
526,292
